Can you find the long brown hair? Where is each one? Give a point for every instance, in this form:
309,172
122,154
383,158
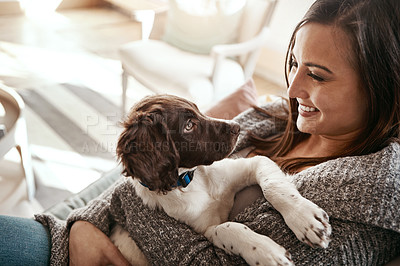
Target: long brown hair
373,29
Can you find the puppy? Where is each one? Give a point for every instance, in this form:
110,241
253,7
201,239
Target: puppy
174,155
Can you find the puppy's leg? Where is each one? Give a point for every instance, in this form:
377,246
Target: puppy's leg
254,248
308,221
128,247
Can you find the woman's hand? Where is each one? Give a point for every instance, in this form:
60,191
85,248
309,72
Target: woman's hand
90,246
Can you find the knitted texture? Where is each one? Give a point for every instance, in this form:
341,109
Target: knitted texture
361,194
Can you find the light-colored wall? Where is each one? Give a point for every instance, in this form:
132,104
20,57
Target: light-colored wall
287,14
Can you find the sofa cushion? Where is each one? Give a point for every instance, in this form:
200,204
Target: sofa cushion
240,100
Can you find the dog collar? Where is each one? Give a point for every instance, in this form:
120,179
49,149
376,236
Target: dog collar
183,180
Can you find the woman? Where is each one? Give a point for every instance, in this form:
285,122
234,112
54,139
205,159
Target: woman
343,124
340,141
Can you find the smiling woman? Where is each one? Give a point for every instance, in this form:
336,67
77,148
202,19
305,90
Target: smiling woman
344,96
353,170
326,96
340,61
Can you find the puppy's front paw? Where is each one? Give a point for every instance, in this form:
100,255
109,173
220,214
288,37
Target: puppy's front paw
266,252
310,223
255,249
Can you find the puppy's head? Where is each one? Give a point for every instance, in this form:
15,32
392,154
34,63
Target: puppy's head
165,132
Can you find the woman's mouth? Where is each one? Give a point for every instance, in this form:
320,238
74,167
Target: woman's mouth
307,110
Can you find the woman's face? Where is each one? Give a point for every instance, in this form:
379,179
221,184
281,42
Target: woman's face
326,86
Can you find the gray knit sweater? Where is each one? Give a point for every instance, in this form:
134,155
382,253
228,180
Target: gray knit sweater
360,194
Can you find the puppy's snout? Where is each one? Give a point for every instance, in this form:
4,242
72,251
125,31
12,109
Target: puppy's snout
235,129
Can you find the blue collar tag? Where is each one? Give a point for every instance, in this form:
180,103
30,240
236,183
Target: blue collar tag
183,180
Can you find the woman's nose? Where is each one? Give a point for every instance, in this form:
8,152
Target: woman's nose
297,86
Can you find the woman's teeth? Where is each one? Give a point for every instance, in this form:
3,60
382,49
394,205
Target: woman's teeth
308,109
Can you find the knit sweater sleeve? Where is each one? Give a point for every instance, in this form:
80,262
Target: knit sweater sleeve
362,189
96,212
362,197
162,239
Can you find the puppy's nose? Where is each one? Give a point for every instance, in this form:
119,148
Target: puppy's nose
235,129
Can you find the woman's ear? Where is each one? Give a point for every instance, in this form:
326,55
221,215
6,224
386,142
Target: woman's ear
147,151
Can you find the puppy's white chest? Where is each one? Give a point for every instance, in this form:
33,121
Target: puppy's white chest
194,205
127,246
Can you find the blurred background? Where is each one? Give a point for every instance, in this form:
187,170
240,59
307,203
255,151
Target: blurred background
61,57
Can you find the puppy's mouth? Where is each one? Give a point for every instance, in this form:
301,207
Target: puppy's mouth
224,153
234,144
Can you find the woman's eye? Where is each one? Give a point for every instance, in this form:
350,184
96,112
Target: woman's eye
315,77
189,125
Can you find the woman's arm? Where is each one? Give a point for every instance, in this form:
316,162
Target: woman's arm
352,243
96,212
164,240
90,246
167,241
89,228
360,194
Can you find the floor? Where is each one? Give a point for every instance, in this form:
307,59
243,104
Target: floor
65,60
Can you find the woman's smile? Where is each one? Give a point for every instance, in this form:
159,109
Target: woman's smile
307,111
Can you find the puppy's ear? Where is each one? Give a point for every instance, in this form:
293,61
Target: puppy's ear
147,152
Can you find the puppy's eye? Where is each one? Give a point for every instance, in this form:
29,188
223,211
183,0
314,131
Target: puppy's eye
189,126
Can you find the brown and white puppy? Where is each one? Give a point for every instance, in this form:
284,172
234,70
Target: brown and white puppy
174,155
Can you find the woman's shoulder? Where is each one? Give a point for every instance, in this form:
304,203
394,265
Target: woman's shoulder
390,154
393,148
387,158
